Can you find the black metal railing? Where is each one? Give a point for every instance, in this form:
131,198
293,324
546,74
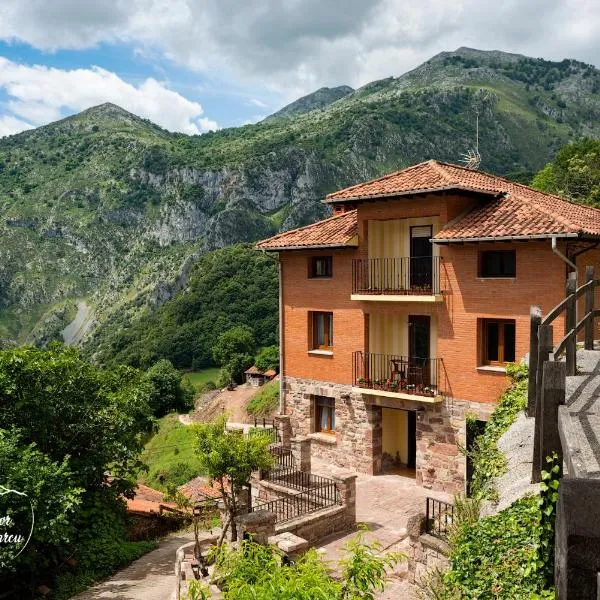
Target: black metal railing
395,373
265,427
284,458
293,479
407,275
287,508
439,517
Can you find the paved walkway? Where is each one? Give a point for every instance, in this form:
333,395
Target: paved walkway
384,503
151,577
580,419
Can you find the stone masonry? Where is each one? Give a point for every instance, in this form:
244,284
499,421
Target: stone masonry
357,443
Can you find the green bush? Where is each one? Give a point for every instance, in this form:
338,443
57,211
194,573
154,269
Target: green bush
101,545
265,401
510,555
488,461
497,557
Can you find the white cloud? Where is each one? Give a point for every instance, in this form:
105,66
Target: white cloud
296,46
10,125
39,94
257,102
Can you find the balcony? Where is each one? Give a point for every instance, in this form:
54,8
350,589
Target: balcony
406,279
396,376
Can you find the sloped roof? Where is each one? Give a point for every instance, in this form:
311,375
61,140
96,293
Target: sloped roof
254,370
514,210
511,210
335,232
199,489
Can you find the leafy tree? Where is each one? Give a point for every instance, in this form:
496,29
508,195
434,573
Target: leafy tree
170,390
229,459
235,341
233,351
268,358
64,425
574,173
53,493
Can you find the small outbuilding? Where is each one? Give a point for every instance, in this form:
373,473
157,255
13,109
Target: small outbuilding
256,377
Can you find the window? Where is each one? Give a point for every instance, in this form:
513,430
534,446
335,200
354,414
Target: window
324,414
498,263
320,266
322,330
498,337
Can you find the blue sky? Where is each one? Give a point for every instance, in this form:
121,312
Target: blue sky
196,65
223,101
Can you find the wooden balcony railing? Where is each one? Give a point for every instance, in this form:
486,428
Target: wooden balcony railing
395,373
397,276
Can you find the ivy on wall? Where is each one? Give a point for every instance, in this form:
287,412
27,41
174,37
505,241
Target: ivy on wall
510,555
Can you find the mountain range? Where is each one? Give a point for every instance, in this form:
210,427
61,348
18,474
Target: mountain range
105,213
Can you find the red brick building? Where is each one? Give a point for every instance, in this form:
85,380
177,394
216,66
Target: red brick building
400,312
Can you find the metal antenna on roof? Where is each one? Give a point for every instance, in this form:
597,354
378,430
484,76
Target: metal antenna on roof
472,158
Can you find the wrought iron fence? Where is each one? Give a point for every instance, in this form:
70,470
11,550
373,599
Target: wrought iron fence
406,275
265,427
439,517
291,478
395,373
287,508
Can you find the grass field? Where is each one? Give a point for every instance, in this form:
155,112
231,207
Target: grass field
197,378
265,401
169,455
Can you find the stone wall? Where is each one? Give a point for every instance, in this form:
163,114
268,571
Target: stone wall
426,554
357,443
357,440
319,524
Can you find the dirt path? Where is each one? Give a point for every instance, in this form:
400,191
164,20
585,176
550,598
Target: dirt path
151,577
233,402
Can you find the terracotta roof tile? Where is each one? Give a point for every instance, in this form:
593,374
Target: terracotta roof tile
334,232
199,489
514,209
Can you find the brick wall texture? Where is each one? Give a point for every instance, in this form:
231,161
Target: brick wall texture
467,299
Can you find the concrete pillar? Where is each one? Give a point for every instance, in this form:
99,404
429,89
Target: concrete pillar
259,525
577,559
284,429
346,485
301,452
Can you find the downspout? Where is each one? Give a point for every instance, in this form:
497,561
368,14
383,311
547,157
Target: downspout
561,255
281,386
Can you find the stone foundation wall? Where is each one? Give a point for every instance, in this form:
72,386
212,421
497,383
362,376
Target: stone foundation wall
315,527
357,443
441,428
357,440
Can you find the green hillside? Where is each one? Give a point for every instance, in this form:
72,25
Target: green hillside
110,211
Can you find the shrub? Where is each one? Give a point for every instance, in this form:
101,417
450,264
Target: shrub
488,461
265,401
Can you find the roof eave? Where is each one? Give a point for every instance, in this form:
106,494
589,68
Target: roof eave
505,238
445,188
311,247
